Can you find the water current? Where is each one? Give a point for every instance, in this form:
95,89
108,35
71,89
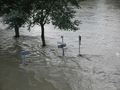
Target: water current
97,69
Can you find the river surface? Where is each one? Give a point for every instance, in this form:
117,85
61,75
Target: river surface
97,69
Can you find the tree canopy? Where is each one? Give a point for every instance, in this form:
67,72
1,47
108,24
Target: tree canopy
14,12
58,12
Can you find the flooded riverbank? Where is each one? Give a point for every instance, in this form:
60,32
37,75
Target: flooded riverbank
96,69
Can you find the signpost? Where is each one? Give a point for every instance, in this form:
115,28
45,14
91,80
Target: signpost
62,45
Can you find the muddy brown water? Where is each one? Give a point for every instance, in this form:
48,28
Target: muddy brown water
97,69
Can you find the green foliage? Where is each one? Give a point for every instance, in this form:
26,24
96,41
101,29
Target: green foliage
14,18
15,12
62,17
59,12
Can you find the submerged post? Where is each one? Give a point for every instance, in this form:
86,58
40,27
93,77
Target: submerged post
79,44
63,47
23,56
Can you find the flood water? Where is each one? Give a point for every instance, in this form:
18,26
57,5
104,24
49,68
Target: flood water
97,69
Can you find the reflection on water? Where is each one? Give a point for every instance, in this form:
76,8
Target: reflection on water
97,69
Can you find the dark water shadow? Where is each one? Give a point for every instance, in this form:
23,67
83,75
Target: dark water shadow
89,57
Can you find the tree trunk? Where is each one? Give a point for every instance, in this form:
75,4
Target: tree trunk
42,35
16,31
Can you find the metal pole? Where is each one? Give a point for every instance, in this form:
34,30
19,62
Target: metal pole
62,39
79,43
63,47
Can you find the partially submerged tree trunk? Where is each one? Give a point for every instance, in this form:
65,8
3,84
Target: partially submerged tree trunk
16,31
43,35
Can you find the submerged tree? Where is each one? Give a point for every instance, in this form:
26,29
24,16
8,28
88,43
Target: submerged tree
15,20
58,12
15,13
